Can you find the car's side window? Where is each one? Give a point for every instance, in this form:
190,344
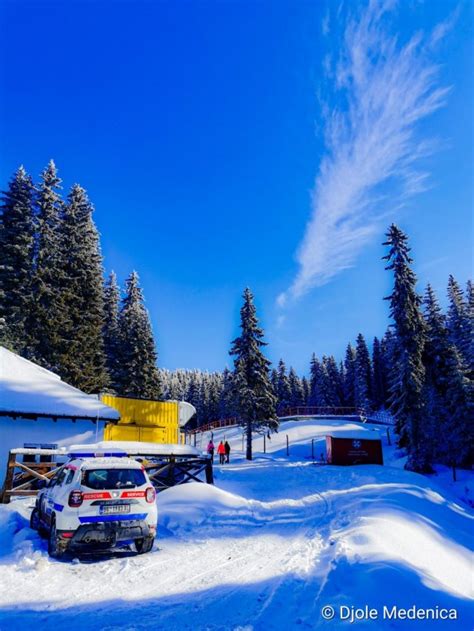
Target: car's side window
61,477
54,480
70,477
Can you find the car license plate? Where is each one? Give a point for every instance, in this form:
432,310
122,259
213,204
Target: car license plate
115,509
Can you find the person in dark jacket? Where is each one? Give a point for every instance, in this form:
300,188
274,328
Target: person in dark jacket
227,451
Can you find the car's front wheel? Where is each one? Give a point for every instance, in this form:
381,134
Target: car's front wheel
145,544
56,546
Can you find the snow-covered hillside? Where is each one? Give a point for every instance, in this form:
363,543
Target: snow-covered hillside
266,548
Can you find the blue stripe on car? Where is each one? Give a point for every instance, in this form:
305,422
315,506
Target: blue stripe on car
58,507
99,518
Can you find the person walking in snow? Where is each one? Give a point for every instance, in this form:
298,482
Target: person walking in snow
221,452
227,451
210,449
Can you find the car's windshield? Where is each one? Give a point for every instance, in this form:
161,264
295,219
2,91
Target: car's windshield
113,478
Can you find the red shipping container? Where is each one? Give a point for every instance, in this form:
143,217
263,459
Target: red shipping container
353,449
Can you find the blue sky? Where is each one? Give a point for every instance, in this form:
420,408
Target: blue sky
266,144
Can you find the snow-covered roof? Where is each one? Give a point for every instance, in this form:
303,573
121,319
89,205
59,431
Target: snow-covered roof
359,434
27,389
137,448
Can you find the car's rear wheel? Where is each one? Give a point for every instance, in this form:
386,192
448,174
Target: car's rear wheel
145,544
36,523
56,546
34,519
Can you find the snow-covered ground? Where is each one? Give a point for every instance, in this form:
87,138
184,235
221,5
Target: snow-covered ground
266,548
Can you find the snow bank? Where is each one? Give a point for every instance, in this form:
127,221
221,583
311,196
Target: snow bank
190,505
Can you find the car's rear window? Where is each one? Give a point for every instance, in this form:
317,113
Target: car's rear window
113,478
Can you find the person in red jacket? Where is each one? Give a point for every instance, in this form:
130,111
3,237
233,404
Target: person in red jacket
221,452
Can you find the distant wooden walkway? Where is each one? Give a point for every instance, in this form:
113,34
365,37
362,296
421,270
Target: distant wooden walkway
305,412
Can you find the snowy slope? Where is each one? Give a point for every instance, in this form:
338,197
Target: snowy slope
264,549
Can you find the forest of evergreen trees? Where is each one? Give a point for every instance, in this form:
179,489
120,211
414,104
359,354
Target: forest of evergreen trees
56,309
54,306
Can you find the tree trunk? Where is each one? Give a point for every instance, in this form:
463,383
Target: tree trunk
249,440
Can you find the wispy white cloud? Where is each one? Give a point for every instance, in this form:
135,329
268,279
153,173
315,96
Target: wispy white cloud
325,23
383,89
443,28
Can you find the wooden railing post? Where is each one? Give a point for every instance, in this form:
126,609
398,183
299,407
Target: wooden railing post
209,472
8,484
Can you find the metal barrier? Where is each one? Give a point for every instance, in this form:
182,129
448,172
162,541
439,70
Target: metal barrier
314,410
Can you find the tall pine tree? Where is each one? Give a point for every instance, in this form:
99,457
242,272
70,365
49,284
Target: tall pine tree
82,349
17,236
350,376
283,389
138,375
305,386
227,403
470,315
363,378
379,375
47,318
458,320
296,389
255,400
316,383
447,390
332,382
408,373
111,330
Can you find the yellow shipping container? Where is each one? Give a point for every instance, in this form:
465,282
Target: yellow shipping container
146,420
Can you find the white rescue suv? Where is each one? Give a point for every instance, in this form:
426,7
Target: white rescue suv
97,503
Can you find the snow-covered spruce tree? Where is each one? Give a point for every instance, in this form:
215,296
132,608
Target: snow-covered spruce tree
283,388
448,391
254,397
315,383
379,381
407,375
138,374
82,348
111,330
214,394
47,319
470,315
363,375
332,382
203,399
459,325
305,385
194,395
274,382
349,376
17,236
226,403
296,389
387,346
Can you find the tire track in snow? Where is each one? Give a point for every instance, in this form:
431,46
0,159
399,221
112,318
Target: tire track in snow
304,539
307,535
